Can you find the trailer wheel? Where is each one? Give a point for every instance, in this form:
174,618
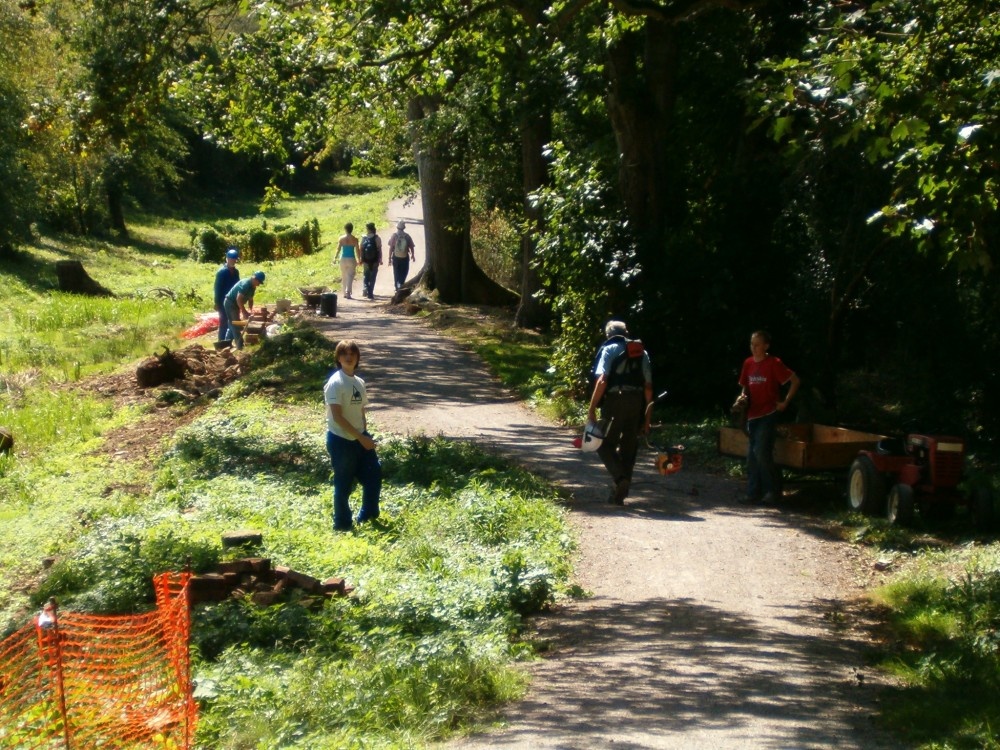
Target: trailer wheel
865,487
983,514
899,509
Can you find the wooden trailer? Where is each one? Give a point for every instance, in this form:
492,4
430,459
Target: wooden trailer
814,447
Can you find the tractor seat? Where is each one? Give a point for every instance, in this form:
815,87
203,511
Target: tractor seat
890,447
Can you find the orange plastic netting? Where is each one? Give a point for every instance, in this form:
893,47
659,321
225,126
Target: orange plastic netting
86,682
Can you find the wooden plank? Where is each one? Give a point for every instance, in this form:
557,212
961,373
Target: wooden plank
733,441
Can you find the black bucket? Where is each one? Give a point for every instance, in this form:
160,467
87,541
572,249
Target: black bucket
328,304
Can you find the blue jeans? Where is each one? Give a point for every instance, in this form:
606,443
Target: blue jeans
351,462
762,474
223,323
371,271
235,333
400,270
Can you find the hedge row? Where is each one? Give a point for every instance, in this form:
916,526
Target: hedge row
209,244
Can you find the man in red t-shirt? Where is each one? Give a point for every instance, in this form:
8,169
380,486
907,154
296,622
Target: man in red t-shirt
761,379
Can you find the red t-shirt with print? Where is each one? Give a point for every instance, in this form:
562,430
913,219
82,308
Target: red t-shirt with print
764,380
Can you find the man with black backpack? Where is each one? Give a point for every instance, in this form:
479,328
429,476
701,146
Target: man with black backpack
371,259
623,391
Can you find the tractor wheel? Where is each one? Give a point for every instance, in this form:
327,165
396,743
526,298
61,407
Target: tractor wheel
899,509
865,487
983,513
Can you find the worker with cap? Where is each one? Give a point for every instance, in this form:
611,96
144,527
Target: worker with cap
400,254
239,305
623,391
225,279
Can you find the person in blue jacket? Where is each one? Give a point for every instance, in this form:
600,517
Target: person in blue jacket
225,279
239,304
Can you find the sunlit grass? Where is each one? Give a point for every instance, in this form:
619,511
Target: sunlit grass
947,653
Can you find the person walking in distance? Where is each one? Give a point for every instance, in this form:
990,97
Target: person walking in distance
347,253
351,448
761,379
623,391
401,252
225,279
371,257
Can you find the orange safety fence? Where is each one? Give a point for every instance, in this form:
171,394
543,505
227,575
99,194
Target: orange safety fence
76,682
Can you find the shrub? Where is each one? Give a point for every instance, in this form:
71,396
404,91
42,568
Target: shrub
255,244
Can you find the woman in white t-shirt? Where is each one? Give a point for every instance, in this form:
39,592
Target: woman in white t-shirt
351,448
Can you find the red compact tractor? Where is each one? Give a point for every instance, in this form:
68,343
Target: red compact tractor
921,473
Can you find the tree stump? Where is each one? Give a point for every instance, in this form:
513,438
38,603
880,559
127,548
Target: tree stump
160,368
74,279
6,440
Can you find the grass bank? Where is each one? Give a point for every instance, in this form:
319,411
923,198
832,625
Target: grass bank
467,545
465,548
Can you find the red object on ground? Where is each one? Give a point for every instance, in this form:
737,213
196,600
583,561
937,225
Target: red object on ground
207,322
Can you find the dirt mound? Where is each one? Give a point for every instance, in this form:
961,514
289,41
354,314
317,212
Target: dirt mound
194,370
195,373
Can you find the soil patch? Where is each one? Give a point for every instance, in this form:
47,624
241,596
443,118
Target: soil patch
202,374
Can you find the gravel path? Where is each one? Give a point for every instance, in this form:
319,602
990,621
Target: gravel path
710,625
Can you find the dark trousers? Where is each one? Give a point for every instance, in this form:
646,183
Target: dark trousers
623,414
235,333
371,271
223,323
763,476
400,270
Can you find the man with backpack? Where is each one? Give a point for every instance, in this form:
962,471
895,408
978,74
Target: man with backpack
623,391
371,259
400,254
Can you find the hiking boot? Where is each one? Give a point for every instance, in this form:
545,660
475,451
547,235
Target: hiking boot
619,492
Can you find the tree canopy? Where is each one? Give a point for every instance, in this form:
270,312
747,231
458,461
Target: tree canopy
701,168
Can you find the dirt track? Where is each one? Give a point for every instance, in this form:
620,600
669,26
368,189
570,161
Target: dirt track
711,625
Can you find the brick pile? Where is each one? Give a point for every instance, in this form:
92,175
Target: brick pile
255,578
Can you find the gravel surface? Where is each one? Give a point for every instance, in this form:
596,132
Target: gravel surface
710,625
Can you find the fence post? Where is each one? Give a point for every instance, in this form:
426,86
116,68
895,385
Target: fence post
50,644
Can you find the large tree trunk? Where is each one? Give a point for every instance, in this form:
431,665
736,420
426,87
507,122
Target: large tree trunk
536,132
449,266
116,212
641,100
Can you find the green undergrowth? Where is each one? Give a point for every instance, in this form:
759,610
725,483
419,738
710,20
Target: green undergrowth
428,643
940,600
946,649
